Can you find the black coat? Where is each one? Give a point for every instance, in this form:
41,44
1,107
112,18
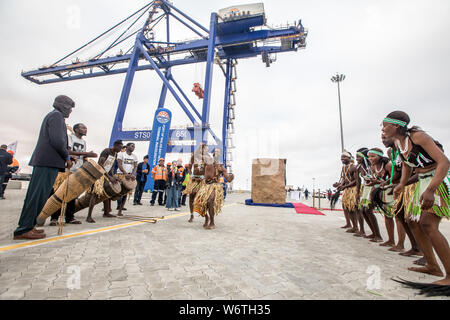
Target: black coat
177,178
52,148
5,160
139,172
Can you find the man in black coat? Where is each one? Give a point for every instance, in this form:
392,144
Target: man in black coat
141,179
5,160
50,156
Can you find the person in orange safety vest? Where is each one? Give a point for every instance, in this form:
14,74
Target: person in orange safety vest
159,174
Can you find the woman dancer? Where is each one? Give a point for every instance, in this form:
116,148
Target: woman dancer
380,173
365,206
430,201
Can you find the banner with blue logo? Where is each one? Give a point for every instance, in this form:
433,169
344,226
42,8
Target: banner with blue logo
158,142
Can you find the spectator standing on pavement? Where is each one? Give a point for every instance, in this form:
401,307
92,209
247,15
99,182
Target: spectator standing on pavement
223,181
182,171
12,168
50,156
159,174
174,181
306,194
5,160
185,183
141,179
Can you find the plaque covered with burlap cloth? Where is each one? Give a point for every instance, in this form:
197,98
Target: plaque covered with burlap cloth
269,181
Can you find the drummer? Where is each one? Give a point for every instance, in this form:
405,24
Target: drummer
127,163
78,151
107,160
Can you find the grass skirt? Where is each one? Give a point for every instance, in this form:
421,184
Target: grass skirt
193,186
441,197
389,201
62,176
365,197
97,188
201,199
404,198
349,201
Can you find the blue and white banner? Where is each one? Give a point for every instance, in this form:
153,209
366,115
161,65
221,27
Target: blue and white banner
158,142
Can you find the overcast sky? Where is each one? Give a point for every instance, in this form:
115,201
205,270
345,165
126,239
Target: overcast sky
395,55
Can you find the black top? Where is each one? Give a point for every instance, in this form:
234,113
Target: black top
418,157
52,148
5,160
172,179
139,173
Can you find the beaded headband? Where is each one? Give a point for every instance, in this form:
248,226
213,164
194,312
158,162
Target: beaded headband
377,153
361,155
395,121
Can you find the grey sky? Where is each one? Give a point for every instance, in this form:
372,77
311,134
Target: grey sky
395,55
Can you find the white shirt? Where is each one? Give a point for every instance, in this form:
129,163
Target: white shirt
128,162
77,145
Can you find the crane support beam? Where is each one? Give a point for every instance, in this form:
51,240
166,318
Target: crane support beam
223,43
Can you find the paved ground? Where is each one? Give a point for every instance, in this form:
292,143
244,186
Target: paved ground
255,253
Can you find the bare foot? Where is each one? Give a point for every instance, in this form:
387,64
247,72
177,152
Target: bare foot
421,262
443,282
371,236
191,219
352,230
397,249
359,234
210,227
411,252
387,244
346,226
376,239
120,214
90,220
434,271
107,215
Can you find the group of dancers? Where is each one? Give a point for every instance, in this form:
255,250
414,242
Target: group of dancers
408,185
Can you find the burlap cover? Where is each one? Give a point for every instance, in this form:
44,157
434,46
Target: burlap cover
269,181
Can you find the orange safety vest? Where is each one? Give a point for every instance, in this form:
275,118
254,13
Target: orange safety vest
159,173
15,163
181,170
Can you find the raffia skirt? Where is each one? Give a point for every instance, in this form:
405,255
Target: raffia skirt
389,201
62,176
201,199
349,201
441,197
97,188
193,186
365,197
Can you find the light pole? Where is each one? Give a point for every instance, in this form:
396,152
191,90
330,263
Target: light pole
339,78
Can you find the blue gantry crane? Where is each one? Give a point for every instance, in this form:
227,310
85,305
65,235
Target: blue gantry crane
234,33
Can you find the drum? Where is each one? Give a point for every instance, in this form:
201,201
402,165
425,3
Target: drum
110,190
77,183
127,186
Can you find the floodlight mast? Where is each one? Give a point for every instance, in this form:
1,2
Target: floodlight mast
338,78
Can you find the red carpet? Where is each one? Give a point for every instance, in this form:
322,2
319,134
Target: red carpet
304,209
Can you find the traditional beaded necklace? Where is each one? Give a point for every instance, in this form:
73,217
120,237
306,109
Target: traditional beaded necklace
406,143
